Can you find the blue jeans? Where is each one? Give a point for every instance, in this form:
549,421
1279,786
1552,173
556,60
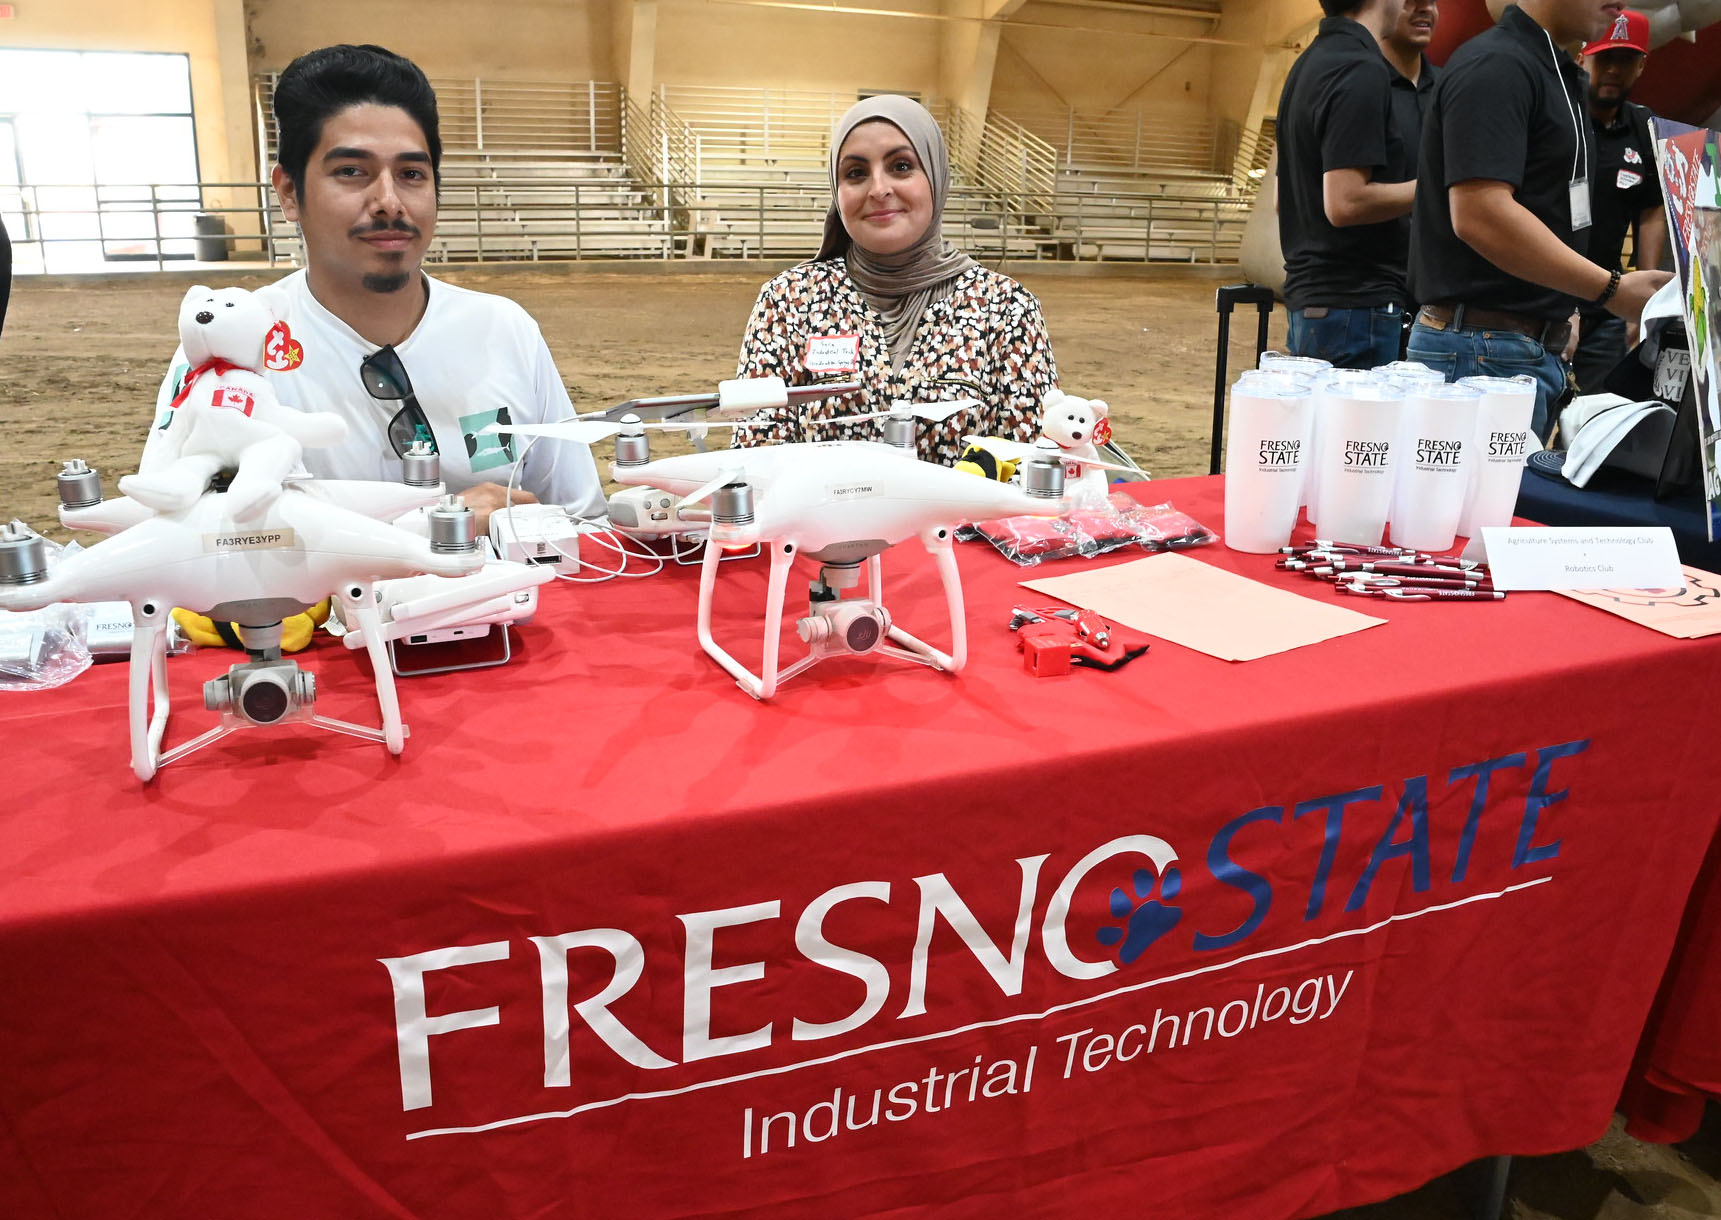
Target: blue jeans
1494,353
1349,338
1601,347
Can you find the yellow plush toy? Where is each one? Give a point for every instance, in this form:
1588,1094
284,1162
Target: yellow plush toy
296,630
977,459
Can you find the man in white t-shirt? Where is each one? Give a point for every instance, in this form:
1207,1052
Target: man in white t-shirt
357,156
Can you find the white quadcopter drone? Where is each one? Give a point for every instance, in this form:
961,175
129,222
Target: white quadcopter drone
842,503
319,537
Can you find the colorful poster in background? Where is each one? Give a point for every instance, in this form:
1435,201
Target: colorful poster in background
1689,162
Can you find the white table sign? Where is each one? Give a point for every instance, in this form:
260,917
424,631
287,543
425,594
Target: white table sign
1582,557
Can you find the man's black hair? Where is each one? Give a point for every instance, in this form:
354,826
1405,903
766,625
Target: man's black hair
320,84
1340,8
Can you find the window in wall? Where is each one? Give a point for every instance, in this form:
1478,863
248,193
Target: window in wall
105,152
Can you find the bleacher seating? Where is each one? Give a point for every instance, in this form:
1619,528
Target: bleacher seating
587,172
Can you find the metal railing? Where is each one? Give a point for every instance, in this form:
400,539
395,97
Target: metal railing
1247,153
1013,159
1127,140
527,220
747,127
659,146
80,226
545,118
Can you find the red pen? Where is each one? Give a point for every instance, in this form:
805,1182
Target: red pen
1420,569
1431,582
1443,595
1358,548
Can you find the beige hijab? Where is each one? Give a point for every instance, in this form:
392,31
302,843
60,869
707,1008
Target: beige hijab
900,286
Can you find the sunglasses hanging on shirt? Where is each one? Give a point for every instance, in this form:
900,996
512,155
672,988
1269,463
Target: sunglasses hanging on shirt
385,380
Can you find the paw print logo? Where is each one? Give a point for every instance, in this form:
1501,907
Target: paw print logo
1145,918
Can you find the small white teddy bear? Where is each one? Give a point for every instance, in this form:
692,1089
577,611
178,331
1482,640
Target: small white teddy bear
225,416
1078,426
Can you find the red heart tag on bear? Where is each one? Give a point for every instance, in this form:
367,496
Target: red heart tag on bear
1102,432
281,352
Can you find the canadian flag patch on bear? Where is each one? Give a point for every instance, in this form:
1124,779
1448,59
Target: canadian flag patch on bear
232,398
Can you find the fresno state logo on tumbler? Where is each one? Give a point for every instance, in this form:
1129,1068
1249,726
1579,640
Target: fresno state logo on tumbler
1059,933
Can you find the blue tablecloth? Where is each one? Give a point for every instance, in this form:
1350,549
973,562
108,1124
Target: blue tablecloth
1616,498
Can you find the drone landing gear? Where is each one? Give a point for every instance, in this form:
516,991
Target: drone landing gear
834,625
260,693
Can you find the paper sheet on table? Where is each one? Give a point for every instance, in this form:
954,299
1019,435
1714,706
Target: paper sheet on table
1689,612
1203,607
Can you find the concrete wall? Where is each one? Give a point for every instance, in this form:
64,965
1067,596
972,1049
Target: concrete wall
525,40
732,44
1246,76
1099,60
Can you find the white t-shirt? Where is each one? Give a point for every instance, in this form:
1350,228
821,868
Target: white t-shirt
471,356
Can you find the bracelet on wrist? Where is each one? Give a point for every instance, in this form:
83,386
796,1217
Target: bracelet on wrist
1612,287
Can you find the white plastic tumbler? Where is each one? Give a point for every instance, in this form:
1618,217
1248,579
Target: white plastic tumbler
1409,371
1356,455
1279,362
1437,442
1313,368
1503,443
1266,449
1340,378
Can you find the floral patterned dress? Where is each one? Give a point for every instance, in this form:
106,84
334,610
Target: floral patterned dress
986,341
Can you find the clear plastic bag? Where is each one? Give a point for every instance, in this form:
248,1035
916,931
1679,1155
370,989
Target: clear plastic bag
40,649
1086,532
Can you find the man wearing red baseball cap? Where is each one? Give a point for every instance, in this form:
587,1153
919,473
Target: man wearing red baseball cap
1626,192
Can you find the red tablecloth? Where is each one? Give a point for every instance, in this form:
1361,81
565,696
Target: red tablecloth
1678,1070
1258,940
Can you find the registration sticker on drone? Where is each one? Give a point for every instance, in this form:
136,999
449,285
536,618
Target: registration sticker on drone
261,540
851,491
832,354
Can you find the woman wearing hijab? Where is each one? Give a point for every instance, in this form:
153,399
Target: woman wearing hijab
891,304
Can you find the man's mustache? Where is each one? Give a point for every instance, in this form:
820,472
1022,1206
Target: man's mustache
387,226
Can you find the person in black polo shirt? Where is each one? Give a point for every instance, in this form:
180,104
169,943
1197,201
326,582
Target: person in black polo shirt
1346,180
1502,223
1413,76
1626,194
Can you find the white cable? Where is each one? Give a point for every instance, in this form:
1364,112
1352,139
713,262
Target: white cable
603,537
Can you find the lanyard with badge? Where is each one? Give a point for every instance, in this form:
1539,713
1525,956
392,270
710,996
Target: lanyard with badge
1579,187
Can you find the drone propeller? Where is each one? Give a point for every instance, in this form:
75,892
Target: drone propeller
706,490
743,394
1019,451
932,412
748,395
589,431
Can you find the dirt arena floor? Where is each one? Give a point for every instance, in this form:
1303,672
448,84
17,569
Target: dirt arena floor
80,362
81,359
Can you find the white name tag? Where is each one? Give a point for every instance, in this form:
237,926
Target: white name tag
1627,179
1583,557
1580,195
832,354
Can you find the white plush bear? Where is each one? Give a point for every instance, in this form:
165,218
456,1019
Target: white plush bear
1078,426
225,416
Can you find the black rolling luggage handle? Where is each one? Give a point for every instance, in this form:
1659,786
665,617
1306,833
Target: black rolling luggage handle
1225,300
